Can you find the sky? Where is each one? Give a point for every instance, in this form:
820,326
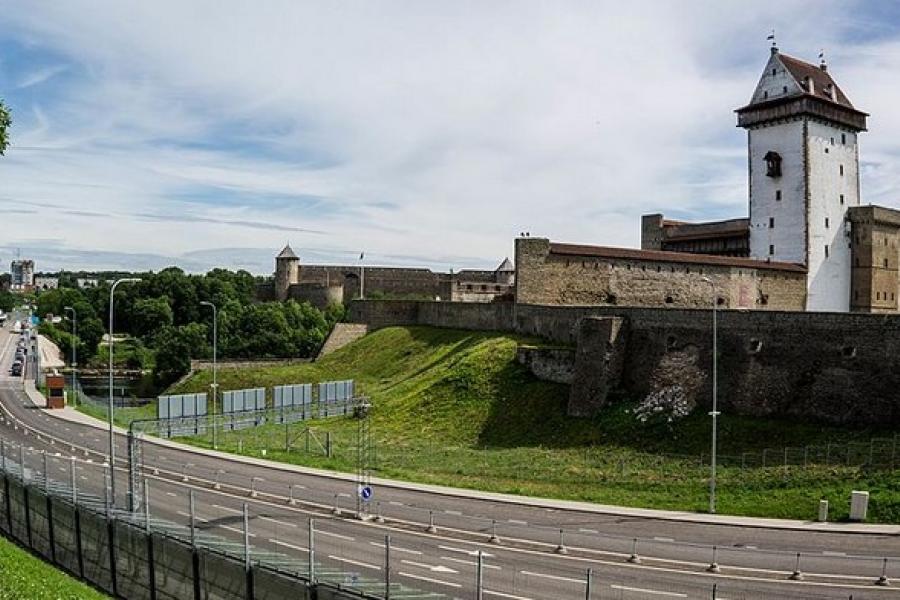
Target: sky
422,133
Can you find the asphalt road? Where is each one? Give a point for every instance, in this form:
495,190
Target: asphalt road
754,562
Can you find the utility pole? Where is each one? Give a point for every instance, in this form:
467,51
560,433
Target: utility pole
215,383
112,444
74,353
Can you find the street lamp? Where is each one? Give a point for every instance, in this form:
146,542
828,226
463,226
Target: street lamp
715,407
362,276
112,445
215,383
74,351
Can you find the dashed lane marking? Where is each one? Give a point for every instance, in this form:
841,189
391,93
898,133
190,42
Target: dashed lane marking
430,580
626,588
291,546
553,577
336,535
357,563
396,548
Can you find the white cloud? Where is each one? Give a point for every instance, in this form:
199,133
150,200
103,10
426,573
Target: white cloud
422,129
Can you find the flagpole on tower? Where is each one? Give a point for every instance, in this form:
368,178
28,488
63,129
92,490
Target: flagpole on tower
771,38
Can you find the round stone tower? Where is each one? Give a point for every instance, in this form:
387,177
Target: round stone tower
287,272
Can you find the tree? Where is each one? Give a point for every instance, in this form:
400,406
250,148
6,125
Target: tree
7,301
175,347
5,122
149,315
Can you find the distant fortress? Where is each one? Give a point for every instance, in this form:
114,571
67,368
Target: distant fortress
321,285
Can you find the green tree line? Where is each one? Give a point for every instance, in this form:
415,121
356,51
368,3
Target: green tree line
163,313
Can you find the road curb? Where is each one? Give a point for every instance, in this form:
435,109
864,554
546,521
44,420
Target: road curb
568,505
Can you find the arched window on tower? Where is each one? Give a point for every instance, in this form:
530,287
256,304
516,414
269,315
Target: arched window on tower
773,164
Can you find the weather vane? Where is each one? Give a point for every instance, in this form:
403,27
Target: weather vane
771,37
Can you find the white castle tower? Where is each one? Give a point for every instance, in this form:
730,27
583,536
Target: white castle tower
804,174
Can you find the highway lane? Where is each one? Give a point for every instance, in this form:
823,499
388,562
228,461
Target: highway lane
239,475
444,564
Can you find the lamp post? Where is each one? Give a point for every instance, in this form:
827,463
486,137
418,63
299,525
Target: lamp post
715,407
112,445
362,276
215,383
74,351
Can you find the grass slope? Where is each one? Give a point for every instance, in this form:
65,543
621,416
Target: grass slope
453,407
24,577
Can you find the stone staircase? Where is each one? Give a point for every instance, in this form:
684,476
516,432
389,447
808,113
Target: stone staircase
341,335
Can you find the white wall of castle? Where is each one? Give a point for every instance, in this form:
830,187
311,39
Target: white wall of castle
833,175
785,242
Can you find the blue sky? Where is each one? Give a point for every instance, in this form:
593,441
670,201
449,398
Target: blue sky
425,133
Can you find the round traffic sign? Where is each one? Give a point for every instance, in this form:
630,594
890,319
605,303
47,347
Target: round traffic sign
365,492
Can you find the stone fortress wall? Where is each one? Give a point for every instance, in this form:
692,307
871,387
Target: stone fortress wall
566,274
841,368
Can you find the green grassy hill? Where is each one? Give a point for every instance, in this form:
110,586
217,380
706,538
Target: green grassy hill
453,407
25,577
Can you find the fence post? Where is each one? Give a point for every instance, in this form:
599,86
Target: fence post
74,481
479,577
634,558
312,551
151,563
8,503
51,538
883,580
387,567
797,575
328,448
195,555
78,546
247,568
27,512
3,456
587,584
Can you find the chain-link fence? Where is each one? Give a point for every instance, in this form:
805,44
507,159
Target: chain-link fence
62,509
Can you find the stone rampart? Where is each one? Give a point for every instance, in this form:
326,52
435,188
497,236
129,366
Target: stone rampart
830,367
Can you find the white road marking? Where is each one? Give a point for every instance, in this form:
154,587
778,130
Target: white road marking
470,563
395,503
337,535
553,577
291,546
277,521
833,553
663,539
226,509
453,512
588,531
236,530
505,595
518,522
173,494
396,548
466,552
435,568
430,580
647,591
188,515
358,563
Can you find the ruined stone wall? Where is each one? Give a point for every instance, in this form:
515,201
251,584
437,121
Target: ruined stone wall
547,277
831,367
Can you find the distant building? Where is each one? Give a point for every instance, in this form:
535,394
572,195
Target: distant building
322,285
21,275
87,283
46,283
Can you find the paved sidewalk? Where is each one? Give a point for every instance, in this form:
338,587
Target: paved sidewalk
70,414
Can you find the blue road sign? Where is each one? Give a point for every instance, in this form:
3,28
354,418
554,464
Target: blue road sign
365,492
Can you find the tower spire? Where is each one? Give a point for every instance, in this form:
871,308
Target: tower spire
771,38
822,64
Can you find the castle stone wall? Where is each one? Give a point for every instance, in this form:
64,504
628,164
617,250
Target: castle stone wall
830,367
544,276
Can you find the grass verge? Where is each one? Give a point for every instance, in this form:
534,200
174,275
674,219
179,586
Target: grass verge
453,407
25,577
